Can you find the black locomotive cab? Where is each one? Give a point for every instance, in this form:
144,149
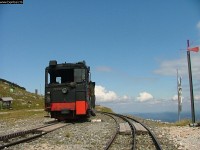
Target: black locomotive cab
69,93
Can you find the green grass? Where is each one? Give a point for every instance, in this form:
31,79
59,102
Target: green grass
30,102
183,122
22,99
21,114
103,109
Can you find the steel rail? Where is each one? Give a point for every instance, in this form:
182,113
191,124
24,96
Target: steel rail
130,124
155,140
109,143
20,133
21,141
133,129
16,134
29,138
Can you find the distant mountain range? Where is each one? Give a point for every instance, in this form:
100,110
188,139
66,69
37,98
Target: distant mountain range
167,116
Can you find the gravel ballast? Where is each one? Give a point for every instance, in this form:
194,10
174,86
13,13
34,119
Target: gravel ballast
94,135
80,135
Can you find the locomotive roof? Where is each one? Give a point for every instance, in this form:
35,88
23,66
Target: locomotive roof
54,65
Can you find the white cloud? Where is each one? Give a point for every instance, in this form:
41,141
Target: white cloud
144,96
196,67
105,96
125,97
198,25
175,98
102,95
169,67
103,69
197,97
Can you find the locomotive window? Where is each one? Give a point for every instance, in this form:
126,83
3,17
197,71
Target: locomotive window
61,76
58,80
67,75
52,77
79,75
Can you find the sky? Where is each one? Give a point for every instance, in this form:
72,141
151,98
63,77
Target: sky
133,48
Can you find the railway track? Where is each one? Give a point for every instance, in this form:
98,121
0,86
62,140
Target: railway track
28,135
99,135
148,139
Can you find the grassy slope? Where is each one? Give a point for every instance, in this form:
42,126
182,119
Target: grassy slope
22,99
103,109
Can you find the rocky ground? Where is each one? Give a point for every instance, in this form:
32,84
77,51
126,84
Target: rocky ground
183,137
94,135
179,137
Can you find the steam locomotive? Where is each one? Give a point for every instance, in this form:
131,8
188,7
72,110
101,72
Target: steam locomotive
69,91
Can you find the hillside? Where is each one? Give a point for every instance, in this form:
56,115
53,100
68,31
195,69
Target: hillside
103,109
22,99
